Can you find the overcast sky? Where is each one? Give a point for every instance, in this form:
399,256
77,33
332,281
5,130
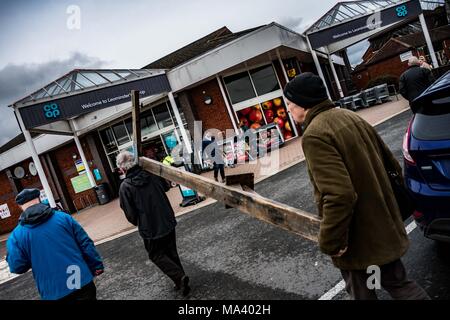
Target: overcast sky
37,46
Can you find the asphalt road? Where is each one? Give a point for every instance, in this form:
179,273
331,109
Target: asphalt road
229,255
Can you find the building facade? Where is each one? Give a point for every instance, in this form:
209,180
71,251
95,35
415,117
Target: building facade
228,81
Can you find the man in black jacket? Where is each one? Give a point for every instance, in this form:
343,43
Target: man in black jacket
415,80
145,204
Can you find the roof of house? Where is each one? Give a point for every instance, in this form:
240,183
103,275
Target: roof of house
391,48
399,45
198,47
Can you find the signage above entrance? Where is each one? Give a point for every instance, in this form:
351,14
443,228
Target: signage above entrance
365,24
85,102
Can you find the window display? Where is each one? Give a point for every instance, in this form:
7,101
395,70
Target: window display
257,99
271,111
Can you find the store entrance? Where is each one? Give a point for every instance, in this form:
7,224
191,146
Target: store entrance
154,149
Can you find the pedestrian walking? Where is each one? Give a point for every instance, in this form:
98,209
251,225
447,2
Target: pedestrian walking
415,80
145,204
218,163
361,224
63,258
210,147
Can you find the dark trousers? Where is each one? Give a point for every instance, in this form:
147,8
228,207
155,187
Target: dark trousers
163,253
88,292
393,279
219,167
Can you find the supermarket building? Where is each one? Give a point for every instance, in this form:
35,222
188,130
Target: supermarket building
82,120
73,128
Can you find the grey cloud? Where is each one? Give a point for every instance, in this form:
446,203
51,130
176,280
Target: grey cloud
356,52
16,81
294,23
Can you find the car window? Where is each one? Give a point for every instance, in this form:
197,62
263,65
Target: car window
431,127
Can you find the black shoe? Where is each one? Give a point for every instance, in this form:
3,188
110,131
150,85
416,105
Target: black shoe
185,289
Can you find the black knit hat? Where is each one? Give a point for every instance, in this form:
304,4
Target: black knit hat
306,90
27,195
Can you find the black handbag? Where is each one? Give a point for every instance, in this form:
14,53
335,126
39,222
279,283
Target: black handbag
404,200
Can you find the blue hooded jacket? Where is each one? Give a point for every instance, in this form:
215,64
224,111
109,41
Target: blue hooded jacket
53,245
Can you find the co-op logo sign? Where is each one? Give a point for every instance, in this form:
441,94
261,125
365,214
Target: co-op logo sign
402,11
51,111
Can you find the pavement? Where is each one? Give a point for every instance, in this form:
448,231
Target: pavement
230,255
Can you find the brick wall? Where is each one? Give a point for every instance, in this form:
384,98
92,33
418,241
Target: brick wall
66,165
392,66
7,196
214,115
361,79
29,181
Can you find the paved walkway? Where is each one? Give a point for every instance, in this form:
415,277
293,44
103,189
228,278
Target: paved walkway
107,221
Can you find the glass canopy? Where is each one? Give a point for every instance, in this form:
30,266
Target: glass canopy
84,79
349,10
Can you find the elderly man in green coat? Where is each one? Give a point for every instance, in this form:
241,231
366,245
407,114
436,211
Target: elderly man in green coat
361,224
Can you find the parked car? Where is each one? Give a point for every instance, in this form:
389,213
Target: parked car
426,152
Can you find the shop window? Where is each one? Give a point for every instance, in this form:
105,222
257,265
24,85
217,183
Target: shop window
148,125
265,80
129,126
268,112
162,116
170,140
121,134
291,67
239,87
108,140
112,159
154,149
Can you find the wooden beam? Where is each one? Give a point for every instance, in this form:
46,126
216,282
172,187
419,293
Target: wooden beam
288,218
136,119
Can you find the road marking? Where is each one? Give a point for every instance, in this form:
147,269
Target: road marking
390,117
341,285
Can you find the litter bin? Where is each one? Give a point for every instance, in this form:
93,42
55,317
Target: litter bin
102,192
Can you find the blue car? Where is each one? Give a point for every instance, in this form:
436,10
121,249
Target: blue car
426,153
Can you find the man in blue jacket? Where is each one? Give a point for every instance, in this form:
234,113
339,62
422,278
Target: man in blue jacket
63,258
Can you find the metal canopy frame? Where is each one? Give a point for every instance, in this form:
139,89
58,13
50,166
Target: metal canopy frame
79,80
346,11
349,10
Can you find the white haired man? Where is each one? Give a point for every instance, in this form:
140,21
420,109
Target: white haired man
145,204
415,80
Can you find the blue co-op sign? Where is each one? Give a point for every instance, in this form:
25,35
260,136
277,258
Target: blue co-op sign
51,111
84,102
365,24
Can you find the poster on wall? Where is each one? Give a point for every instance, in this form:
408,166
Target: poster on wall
80,183
405,56
80,166
4,211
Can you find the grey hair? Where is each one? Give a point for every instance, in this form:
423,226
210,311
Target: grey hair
413,61
125,160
